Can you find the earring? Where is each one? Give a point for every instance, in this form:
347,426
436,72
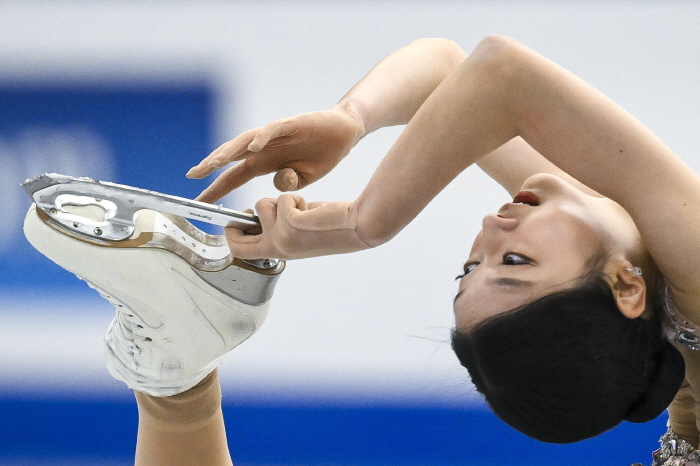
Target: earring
636,271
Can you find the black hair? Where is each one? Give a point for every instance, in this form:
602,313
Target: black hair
570,365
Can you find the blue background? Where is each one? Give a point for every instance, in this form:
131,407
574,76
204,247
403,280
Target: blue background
151,133
259,435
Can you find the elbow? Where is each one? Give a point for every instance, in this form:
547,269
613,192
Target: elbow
450,53
495,46
494,50
499,59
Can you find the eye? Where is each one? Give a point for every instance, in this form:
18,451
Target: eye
468,267
512,258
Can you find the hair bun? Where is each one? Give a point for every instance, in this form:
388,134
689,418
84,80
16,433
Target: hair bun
664,385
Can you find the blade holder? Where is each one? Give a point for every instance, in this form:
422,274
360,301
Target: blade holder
55,194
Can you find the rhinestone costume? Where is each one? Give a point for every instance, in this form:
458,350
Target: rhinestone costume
675,451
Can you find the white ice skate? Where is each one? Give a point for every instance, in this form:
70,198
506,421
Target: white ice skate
182,300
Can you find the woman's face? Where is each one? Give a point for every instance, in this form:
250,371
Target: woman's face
538,244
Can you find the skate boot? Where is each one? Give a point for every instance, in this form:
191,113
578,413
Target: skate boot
182,302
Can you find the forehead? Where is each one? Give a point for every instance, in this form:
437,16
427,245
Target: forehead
494,288
483,297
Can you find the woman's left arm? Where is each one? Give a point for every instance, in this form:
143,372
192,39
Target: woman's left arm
515,161
501,91
504,90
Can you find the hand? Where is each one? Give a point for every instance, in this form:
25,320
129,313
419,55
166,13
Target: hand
300,149
293,229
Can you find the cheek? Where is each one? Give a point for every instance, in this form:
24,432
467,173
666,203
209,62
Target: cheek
477,242
567,243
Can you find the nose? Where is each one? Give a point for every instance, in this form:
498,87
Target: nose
494,224
493,234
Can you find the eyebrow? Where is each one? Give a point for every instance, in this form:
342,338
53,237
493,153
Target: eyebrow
512,282
509,282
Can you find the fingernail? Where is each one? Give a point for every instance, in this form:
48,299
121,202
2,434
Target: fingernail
192,171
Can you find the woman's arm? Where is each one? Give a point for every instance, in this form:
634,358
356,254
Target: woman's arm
504,90
388,95
304,148
392,92
515,161
501,91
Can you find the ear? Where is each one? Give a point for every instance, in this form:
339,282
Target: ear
630,291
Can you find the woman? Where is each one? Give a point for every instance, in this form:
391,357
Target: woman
546,363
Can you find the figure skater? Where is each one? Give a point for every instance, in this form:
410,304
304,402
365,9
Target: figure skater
561,304
561,309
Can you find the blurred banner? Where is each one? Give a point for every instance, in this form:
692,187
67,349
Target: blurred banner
142,135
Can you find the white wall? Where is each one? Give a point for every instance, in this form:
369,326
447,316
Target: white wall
374,325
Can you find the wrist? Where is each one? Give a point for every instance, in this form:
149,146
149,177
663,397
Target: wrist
356,119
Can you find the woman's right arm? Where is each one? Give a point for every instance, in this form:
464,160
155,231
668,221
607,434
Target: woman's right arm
304,148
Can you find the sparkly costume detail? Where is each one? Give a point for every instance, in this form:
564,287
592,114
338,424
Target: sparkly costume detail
680,330
674,452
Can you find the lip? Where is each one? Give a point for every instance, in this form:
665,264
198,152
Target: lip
522,200
510,209
527,198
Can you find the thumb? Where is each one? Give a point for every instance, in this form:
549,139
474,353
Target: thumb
286,180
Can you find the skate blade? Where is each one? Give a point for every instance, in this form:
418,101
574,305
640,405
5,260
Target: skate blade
114,206
111,215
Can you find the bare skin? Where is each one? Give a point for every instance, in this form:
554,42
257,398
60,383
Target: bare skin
516,114
184,429
524,252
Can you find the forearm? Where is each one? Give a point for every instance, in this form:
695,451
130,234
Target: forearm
515,161
503,90
467,116
391,93
183,429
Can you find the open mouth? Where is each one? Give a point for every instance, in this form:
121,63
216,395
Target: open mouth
526,197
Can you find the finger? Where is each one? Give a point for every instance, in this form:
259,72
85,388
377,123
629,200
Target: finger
205,167
244,246
247,246
323,216
267,213
290,202
246,229
271,131
229,180
250,229
286,180
223,154
682,413
238,147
